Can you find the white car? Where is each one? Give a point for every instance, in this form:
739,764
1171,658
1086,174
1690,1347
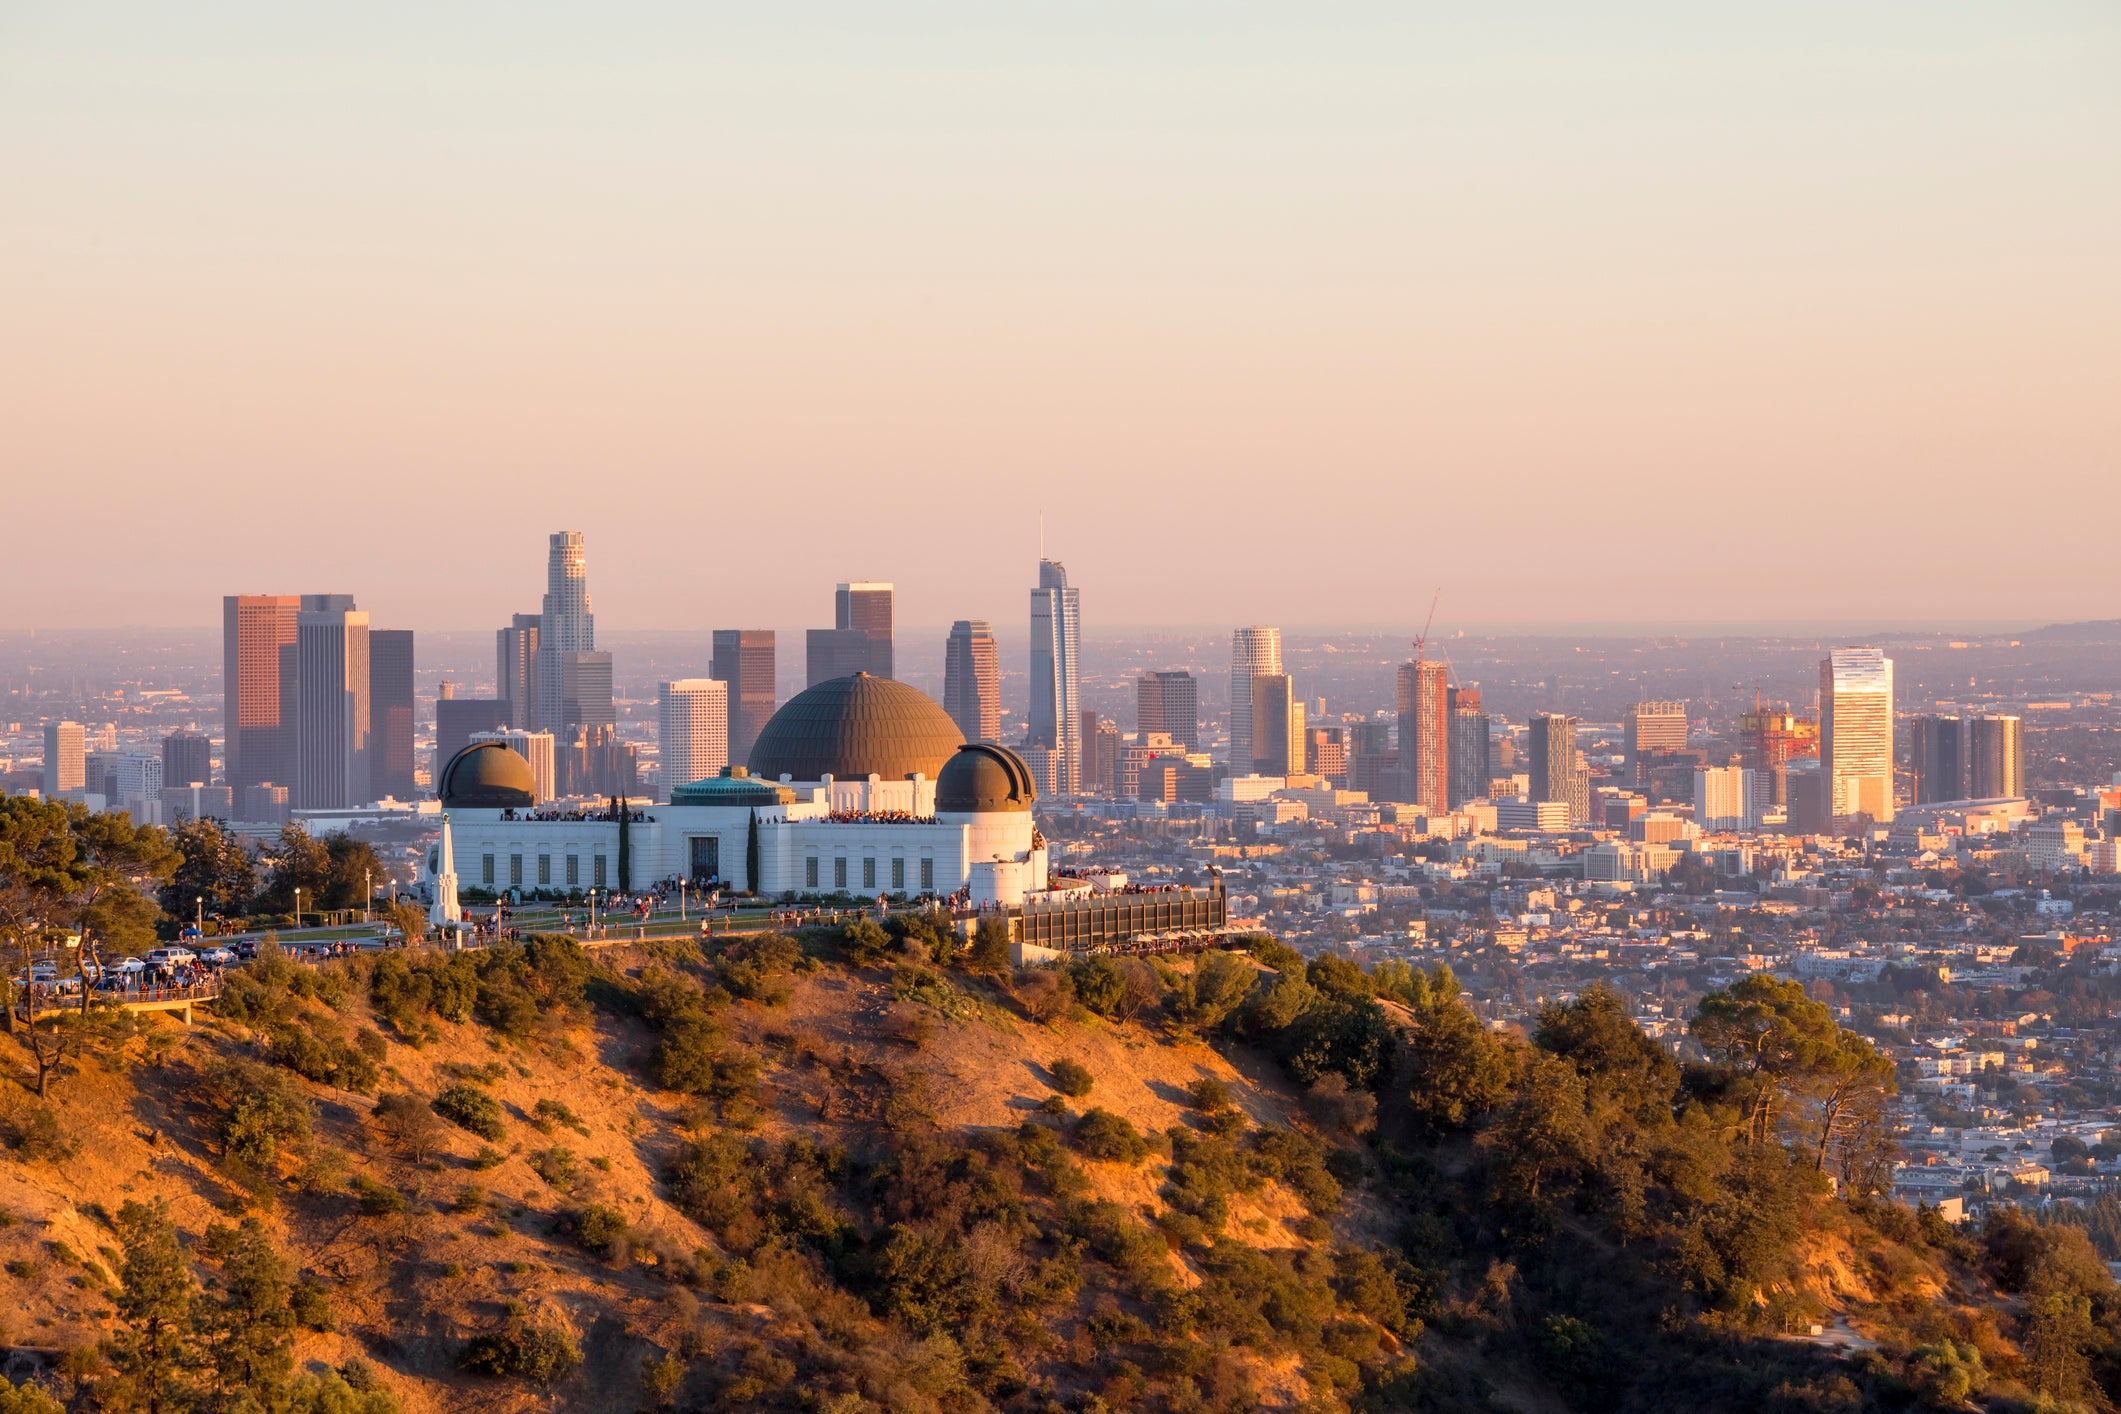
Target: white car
218,957
128,965
170,957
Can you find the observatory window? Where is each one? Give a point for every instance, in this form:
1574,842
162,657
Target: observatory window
810,872
839,872
544,870
868,871
599,862
898,875
486,870
515,871
574,870
928,876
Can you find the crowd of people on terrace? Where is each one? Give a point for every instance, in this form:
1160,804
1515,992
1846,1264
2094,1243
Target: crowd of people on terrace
638,817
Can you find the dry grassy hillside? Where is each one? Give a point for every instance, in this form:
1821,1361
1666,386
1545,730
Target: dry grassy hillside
426,1242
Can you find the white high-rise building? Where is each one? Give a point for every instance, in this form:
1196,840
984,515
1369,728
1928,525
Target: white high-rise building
566,626
1723,799
1856,732
1056,645
534,747
136,784
332,718
692,733
1254,652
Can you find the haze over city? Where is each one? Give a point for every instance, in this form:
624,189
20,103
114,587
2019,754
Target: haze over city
1638,313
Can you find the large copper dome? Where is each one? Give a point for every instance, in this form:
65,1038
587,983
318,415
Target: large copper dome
488,776
854,727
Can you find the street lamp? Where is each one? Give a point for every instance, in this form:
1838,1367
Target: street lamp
368,892
298,912
681,900
592,913
200,901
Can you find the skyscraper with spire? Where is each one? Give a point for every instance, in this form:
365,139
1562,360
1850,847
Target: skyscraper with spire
1056,645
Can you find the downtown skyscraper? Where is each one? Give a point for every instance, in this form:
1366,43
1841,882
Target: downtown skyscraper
744,659
972,680
1425,734
258,729
1856,733
1056,647
1168,702
1255,652
1552,743
567,642
333,718
692,731
860,639
390,707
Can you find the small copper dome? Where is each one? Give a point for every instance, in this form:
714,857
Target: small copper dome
984,777
488,775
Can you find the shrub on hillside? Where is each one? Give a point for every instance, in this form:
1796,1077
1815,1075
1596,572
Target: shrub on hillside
1209,1094
548,1113
261,1112
468,1107
1071,1077
760,968
600,1229
409,1123
1045,993
1101,1134
557,1167
543,1355
865,943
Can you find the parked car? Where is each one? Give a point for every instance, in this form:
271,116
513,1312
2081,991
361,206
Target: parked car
128,965
217,957
44,972
247,949
171,957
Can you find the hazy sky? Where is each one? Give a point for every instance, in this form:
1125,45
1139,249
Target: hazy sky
1281,313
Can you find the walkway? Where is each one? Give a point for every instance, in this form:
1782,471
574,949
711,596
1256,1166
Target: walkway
172,997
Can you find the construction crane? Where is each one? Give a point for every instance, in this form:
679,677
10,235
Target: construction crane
1421,639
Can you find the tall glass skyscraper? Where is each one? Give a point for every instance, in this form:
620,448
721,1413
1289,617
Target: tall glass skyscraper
1056,644
1254,652
333,724
972,680
1856,732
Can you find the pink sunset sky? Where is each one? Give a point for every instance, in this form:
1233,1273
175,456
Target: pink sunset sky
1620,312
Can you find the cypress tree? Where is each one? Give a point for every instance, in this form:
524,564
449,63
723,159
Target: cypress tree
751,854
625,849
